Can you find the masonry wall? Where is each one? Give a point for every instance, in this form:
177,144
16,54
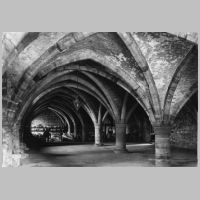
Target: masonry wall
184,133
47,119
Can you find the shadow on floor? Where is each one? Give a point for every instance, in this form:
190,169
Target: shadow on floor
89,155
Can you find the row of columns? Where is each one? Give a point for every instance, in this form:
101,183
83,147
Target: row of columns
162,141
120,135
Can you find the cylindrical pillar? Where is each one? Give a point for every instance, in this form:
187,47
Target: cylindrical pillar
98,135
83,134
75,130
120,137
162,145
146,132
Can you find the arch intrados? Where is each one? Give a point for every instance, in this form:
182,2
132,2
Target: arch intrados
58,113
88,109
106,92
73,88
82,82
176,79
42,109
83,35
43,106
182,103
68,100
69,117
148,111
76,116
100,59
106,74
61,114
68,78
85,107
105,95
52,91
46,90
106,102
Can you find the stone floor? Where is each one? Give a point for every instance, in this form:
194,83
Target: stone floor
89,155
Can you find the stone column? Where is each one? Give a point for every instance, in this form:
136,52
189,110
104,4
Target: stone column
75,132
162,145
146,132
12,154
6,147
83,134
98,135
120,137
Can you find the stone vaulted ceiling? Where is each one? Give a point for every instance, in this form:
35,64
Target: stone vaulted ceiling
158,68
163,53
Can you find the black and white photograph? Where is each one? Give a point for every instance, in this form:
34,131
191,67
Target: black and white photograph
99,99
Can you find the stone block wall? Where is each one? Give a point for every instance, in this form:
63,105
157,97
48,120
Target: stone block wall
184,132
47,119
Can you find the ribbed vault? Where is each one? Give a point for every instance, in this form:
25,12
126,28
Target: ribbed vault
123,79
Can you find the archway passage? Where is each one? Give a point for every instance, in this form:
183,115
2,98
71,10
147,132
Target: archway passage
103,106
100,89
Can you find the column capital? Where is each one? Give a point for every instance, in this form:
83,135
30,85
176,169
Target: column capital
161,126
160,123
97,125
162,130
120,124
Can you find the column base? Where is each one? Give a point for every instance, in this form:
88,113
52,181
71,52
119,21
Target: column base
99,145
121,150
162,162
120,145
162,145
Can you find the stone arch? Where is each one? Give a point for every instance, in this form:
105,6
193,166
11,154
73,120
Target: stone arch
139,57
88,54
86,107
174,83
25,40
67,111
106,92
46,90
61,114
182,103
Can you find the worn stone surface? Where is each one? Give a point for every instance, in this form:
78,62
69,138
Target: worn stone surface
163,53
47,118
191,36
187,84
184,132
158,70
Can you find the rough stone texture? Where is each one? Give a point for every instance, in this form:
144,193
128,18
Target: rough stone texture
120,136
47,118
108,45
163,53
186,85
162,145
184,133
9,41
31,53
97,134
12,152
191,36
39,65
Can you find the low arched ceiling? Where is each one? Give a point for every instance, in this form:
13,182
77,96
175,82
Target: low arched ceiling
144,62
191,36
163,53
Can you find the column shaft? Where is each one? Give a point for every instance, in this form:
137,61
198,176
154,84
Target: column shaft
98,134
120,136
162,145
83,136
